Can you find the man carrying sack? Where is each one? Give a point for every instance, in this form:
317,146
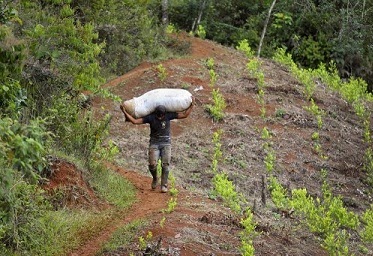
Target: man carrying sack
160,140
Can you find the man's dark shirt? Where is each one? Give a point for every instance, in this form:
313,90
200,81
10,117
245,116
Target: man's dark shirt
160,129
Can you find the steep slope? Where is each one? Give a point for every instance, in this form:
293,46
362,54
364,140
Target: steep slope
200,226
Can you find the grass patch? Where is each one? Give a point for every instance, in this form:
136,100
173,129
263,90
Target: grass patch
113,187
75,227
123,236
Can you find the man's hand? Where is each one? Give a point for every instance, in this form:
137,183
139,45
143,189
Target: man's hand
124,112
193,101
122,108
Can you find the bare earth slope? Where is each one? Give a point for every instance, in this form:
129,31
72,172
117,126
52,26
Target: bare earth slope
199,225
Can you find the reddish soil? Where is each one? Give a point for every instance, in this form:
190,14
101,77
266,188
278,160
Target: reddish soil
199,225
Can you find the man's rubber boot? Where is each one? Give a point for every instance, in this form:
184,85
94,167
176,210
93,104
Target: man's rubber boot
153,172
164,179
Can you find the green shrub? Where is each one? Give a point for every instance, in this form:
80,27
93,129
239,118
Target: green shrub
217,109
247,235
278,194
162,73
244,47
75,131
367,232
201,32
327,217
226,190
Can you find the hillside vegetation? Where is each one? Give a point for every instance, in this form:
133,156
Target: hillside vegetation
276,158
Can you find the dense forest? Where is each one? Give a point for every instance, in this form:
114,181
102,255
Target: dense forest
56,54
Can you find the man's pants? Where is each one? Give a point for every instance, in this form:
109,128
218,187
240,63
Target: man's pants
163,152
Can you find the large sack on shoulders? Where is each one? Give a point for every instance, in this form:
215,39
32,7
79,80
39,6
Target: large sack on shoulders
175,100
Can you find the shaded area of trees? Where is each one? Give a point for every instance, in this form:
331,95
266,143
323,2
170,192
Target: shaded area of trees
312,31
52,54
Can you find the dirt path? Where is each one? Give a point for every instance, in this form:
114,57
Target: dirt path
148,202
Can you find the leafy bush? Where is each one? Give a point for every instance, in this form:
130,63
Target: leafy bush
244,47
22,206
326,217
247,235
278,194
23,146
22,159
217,109
367,232
201,32
226,190
75,131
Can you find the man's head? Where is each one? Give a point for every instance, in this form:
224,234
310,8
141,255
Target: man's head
160,111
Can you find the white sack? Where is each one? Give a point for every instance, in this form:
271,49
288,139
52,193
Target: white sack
175,100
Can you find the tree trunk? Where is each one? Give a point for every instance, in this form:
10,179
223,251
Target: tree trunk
265,27
165,12
198,20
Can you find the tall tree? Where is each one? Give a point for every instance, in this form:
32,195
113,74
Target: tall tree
164,12
265,27
197,21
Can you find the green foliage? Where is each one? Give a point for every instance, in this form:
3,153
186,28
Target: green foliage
12,54
76,132
112,187
162,73
225,188
201,32
7,13
173,190
143,241
253,66
171,204
21,206
303,75
44,234
217,150
124,236
247,248
23,146
12,98
217,109
247,235
222,186
354,90
368,165
326,217
329,76
316,111
279,194
281,56
68,45
367,219
266,134
336,243
213,77
244,47
281,20
312,32
210,62
269,160
170,28
310,52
